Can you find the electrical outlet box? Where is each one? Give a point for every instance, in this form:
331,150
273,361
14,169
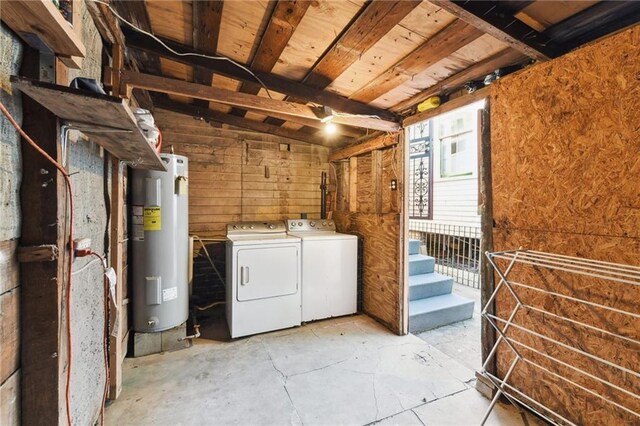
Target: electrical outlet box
81,244
394,184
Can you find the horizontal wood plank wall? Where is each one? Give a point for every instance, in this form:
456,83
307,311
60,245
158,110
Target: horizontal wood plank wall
9,334
375,216
566,173
237,175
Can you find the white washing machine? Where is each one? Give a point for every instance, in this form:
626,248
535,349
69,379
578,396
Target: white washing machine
263,285
329,269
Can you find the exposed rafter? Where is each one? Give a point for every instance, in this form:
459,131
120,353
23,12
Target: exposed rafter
598,20
136,13
284,20
444,43
207,15
489,18
480,69
375,21
258,126
170,86
276,83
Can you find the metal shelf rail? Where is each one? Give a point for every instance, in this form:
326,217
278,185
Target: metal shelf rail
623,274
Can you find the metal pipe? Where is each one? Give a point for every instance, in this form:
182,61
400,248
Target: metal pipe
323,195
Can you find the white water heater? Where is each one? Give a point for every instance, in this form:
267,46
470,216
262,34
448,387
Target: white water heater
160,246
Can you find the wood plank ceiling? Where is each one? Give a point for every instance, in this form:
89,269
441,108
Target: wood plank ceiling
377,57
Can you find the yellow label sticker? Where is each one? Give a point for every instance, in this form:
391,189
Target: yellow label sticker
152,219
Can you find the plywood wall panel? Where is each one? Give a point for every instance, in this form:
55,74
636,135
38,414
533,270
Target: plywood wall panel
236,175
565,180
376,219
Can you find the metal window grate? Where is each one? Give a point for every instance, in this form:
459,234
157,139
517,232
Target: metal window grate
455,248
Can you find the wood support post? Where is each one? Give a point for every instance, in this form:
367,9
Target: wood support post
376,180
486,241
353,184
115,342
44,222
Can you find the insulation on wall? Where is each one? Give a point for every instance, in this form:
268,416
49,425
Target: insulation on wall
566,173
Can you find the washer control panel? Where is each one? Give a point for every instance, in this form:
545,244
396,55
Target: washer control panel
241,228
310,225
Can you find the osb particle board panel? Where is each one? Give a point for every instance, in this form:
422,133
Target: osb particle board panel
565,142
319,27
568,400
239,175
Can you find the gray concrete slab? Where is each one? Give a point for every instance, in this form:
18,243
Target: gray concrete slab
345,371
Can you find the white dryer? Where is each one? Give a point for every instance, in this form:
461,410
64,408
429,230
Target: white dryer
263,278
329,269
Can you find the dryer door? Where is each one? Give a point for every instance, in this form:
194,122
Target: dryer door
267,272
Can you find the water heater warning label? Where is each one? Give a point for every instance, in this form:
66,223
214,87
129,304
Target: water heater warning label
152,219
169,294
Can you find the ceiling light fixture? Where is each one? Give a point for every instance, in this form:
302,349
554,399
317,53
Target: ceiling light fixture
330,128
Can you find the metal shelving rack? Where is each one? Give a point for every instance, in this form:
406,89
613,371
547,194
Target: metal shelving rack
625,275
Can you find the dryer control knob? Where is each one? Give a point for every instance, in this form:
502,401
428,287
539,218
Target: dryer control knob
324,223
251,227
312,224
330,223
299,223
244,227
272,226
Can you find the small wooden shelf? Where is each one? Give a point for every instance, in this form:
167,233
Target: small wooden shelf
106,119
41,18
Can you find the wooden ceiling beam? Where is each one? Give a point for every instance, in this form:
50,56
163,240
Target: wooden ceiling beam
373,23
488,17
171,86
274,82
207,15
598,20
135,12
283,23
478,70
444,43
164,103
380,142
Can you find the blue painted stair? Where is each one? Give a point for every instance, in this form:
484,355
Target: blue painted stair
431,301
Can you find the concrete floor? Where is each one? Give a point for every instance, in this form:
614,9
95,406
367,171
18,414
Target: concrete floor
460,341
349,371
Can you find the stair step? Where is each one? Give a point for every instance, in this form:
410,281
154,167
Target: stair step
414,246
429,285
420,264
433,312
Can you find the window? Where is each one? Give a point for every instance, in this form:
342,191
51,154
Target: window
457,140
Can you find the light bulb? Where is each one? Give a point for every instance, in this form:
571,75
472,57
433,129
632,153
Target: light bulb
330,128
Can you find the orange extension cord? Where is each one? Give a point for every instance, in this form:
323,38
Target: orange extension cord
63,172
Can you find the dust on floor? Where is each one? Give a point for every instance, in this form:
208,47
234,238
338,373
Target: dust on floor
349,371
